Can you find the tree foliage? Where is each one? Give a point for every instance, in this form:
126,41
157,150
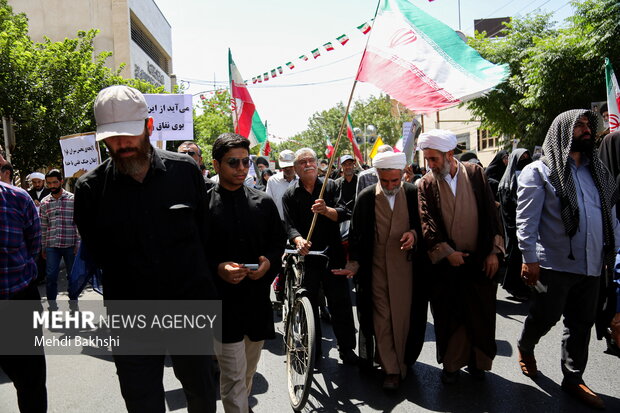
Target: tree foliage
212,117
49,88
551,69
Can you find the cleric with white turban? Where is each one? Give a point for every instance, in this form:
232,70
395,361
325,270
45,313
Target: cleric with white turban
390,160
438,139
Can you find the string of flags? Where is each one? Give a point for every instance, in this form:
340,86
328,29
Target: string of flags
328,47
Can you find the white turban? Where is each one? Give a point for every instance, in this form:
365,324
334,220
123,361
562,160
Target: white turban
37,175
439,139
390,160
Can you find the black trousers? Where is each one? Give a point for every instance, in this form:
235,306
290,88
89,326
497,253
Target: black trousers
336,289
574,296
28,373
141,380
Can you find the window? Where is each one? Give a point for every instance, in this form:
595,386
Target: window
149,47
485,141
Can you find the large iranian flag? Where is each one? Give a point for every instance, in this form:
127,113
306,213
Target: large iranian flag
613,97
422,62
245,117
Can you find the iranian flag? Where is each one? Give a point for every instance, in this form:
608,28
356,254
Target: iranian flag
245,117
329,150
364,28
613,97
343,39
254,80
280,70
316,53
356,150
303,57
265,76
265,149
290,65
273,73
328,46
423,63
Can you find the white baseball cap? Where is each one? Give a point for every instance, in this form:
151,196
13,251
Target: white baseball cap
286,158
120,110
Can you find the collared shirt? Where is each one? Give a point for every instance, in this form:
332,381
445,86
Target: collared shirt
297,202
347,191
57,227
148,237
20,240
540,230
276,187
452,181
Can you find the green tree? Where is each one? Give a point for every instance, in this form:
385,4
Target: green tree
551,69
49,89
212,117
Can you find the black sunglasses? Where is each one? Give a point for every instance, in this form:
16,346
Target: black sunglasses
190,153
234,162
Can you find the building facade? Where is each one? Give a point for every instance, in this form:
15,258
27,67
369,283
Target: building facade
135,31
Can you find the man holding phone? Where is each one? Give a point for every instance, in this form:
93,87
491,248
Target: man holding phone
247,239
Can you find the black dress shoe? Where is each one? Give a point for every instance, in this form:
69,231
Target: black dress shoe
449,377
349,357
476,373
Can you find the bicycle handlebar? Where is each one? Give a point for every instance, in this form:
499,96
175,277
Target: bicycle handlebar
291,251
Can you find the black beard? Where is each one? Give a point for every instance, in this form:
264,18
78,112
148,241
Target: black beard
54,191
136,164
582,145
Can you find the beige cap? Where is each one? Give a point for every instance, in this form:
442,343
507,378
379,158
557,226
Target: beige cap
120,110
286,158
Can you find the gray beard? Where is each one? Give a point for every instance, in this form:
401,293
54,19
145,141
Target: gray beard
390,192
137,164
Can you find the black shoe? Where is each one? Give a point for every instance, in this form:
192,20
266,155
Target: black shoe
476,373
349,357
449,377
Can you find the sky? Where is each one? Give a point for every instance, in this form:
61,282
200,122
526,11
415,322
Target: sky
263,35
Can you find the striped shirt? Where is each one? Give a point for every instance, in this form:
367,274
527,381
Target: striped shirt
57,227
20,240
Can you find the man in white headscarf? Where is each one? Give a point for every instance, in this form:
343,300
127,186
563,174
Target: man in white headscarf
461,229
384,248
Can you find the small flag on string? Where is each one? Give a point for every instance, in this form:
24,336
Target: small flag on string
343,39
328,46
280,69
303,57
259,78
364,28
290,65
316,53
254,80
273,73
266,76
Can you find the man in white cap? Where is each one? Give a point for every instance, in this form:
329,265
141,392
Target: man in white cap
347,183
278,184
38,190
141,214
369,176
383,251
461,229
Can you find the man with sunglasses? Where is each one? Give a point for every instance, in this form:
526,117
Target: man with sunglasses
142,217
300,202
244,229
193,150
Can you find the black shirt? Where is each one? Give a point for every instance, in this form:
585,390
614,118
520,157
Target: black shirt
148,238
243,225
346,191
297,204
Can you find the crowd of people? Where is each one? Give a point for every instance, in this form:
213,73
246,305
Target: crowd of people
547,230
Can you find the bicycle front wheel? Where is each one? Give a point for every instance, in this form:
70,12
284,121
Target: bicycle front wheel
300,337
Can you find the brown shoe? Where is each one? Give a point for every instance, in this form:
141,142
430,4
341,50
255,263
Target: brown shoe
527,362
584,394
391,382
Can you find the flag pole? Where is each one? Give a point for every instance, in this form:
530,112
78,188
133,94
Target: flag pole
342,126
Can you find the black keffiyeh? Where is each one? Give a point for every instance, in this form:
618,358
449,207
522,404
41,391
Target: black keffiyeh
556,148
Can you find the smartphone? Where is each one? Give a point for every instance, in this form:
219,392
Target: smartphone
252,267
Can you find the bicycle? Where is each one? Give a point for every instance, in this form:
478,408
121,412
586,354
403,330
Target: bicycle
299,329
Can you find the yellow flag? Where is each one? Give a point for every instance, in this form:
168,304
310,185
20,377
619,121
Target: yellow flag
378,143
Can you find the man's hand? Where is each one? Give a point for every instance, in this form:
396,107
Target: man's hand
490,265
263,267
37,203
456,258
231,272
303,246
408,240
530,272
319,207
345,272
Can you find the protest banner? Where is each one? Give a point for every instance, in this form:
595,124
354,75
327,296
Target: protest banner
80,153
172,117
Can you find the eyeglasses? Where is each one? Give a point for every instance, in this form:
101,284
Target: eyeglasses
234,162
190,153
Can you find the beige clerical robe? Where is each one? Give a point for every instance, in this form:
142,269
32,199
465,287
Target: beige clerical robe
391,282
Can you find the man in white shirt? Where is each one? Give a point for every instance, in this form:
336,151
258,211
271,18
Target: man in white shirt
277,184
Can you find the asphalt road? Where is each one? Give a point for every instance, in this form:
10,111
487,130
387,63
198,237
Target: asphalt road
85,383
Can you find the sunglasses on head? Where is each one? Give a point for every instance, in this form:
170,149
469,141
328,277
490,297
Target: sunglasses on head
190,153
234,162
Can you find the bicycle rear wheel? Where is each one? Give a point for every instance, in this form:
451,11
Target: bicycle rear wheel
300,337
